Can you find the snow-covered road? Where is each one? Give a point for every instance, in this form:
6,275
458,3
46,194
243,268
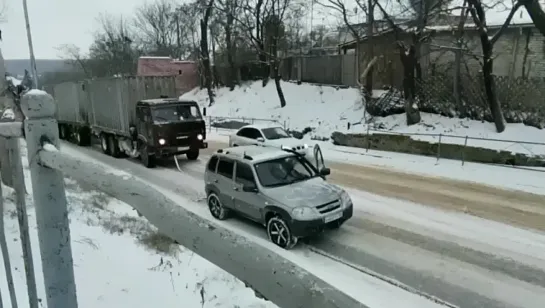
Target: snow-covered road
460,259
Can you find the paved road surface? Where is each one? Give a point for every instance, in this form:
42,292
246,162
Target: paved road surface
434,264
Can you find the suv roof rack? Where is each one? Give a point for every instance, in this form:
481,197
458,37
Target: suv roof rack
244,155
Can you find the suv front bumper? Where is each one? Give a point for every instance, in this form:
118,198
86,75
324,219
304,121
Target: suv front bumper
305,228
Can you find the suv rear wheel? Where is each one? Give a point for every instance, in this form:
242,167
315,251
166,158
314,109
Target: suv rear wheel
279,233
216,207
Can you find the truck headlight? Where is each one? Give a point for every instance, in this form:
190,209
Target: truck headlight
199,137
345,199
303,213
162,141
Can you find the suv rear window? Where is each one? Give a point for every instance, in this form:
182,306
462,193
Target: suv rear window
212,163
225,168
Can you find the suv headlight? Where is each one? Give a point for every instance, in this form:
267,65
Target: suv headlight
345,199
162,141
303,213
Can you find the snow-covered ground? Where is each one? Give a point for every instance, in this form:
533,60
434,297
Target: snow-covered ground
120,260
326,109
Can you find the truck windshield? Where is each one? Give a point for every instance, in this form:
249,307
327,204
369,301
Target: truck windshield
283,171
273,133
175,113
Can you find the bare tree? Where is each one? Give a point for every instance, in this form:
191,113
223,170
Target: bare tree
263,24
367,8
205,53
73,55
113,51
487,42
535,10
228,10
157,28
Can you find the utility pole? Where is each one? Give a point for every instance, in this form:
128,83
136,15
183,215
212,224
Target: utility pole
30,47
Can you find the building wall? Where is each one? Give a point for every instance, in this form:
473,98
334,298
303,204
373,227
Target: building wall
517,50
186,72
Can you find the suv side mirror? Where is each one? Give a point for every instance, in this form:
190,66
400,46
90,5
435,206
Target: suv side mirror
249,188
325,171
260,139
204,111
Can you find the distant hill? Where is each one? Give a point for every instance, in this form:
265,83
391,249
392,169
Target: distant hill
18,66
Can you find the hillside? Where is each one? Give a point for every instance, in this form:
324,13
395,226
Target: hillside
18,66
327,109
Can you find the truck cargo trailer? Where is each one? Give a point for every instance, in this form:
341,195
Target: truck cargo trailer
132,116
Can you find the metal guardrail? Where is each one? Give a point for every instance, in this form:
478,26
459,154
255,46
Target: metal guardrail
275,278
440,139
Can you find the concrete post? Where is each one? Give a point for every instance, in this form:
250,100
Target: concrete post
50,202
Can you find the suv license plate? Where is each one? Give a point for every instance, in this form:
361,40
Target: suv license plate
333,217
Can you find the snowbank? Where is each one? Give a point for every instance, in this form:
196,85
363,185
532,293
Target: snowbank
120,260
327,109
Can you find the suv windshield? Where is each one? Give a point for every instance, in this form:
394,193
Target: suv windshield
175,113
284,171
273,133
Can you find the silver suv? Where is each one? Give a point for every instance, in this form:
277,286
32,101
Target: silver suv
278,188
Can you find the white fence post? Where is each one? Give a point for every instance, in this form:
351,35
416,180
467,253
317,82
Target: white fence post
50,202
5,253
17,173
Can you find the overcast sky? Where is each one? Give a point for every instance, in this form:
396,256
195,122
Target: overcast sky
55,22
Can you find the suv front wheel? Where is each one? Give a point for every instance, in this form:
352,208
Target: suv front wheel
279,233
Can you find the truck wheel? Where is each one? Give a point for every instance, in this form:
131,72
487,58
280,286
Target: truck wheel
148,160
104,143
114,147
62,132
192,154
83,137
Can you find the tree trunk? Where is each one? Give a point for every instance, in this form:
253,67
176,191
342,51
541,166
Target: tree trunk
205,55
278,85
264,64
536,13
370,47
408,59
493,103
231,80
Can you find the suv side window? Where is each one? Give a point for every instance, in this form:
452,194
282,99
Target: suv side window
225,167
244,174
213,163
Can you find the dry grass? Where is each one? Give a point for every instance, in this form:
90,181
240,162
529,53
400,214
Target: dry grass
159,242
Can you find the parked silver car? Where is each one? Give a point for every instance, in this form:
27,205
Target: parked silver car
278,188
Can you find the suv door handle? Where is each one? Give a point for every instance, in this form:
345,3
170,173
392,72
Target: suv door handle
215,181
235,188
